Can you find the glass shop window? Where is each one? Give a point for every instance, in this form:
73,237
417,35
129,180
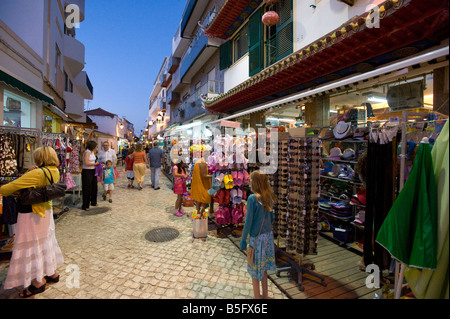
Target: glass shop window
16,111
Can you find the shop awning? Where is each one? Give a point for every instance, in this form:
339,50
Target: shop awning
406,28
25,88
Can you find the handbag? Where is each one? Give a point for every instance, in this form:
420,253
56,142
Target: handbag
43,194
251,250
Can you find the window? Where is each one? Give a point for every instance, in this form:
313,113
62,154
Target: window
57,64
16,111
241,43
268,45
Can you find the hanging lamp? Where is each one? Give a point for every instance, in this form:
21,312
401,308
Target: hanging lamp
270,18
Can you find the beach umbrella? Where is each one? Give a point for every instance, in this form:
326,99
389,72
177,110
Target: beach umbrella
434,284
409,231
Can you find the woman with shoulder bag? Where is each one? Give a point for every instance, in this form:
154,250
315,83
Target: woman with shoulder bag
258,226
35,251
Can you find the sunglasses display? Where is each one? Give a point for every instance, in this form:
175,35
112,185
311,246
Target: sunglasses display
296,184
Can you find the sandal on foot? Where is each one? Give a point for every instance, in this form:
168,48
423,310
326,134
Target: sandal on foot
31,291
51,280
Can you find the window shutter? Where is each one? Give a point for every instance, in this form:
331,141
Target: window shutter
285,41
254,43
226,58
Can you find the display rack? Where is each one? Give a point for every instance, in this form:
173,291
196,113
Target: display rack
352,232
296,213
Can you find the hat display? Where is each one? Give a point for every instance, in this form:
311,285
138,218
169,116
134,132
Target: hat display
360,133
326,133
342,130
348,154
335,153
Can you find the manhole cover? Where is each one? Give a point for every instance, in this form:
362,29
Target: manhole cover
160,235
96,211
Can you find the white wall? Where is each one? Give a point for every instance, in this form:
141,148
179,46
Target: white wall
236,74
26,18
311,24
106,124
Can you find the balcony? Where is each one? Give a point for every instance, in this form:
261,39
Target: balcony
173,65
173,97
75,106
84,86
191,15
202,49
179,44
74,53
167,78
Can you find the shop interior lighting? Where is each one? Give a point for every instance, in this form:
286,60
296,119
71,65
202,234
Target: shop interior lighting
377,99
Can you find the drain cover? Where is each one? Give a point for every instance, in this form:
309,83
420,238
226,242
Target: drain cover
159,235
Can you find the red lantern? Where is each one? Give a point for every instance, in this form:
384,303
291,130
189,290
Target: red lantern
270,2
270,18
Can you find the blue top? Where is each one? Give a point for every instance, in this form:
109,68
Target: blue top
254,219
155,155
108,176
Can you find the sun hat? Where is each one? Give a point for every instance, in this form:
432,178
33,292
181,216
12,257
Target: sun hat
342,130
348,154
360,133
327,167
335,153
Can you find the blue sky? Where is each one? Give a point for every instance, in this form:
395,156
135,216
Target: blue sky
126,42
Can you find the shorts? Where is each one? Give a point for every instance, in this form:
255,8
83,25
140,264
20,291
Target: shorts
108,187
130,175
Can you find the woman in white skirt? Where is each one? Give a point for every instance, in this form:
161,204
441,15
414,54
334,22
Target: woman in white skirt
35,251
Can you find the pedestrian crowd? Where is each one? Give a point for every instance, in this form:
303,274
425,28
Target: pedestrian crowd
36,253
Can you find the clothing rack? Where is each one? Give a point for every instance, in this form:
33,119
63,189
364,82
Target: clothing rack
20,130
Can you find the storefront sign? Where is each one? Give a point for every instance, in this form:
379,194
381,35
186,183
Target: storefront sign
230,124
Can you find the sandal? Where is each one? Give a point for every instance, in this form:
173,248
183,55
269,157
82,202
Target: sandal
31,291
51,280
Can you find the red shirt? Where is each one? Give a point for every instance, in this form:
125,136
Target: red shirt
129,162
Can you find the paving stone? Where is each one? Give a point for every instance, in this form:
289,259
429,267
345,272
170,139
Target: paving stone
117,262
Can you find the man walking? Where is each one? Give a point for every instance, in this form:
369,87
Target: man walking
107,154
155,156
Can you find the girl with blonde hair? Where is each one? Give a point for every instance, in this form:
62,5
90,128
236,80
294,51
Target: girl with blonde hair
258,226
35,251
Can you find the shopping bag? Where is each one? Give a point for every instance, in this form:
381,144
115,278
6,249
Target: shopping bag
200,228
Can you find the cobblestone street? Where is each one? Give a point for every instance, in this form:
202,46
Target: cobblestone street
107,245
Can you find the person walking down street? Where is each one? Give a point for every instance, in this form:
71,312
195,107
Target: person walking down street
258,224
36,251
108,180
89,181
129,168
179,187
201,183
155,156
107,154
139,165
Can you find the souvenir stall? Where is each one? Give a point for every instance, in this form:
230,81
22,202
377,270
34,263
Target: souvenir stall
230,181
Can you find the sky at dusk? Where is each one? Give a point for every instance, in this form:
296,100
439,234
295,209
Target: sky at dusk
126,42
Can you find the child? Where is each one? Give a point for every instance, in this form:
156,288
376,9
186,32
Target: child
108,180
179,186
129,168
258,224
